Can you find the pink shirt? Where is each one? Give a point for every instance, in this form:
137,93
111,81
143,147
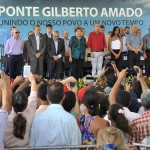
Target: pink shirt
9,139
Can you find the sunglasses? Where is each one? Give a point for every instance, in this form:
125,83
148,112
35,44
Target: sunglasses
17,32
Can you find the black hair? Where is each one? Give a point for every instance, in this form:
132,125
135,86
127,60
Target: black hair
99,88
118,117
69,101
15,88
49,25
121,87
91,101
114,29
55,92
137,88
103,100
102,26
110,71
127,27
104,104
27,90
42,92
37,26
123,98
19,103
110,80
77,28
30,32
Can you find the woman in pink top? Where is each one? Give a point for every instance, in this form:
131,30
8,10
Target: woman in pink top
20,120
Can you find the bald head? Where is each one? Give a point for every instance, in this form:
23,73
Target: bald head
65,34
134,28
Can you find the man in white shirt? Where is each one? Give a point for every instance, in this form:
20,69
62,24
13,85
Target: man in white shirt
55,126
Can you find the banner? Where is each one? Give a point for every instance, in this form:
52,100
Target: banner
67,14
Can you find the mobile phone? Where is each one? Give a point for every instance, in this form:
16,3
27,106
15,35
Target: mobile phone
72,84
130,82
26,70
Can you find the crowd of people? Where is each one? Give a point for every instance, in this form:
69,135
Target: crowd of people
48,53
40,114
113,115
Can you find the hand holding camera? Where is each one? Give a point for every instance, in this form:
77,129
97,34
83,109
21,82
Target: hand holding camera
139,72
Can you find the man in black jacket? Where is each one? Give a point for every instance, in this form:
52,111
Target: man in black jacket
56,50
48,35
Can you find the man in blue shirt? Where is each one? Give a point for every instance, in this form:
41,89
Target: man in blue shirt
6,38
14,48
55,126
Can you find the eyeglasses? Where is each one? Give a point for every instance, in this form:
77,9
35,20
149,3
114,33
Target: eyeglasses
17,32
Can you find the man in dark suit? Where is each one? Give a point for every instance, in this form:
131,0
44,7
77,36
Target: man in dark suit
48,35
56,50
36,53
26,49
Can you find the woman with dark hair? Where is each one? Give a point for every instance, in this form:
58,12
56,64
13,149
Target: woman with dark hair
118,119
77,51
20,120
19,104
115,46
90,122
71,105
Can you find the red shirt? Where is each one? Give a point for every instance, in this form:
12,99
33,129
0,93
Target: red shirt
140,128
96,41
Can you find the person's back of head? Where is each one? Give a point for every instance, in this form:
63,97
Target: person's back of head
137,88
99,88
42,92
55,92
110,138
27,90
116,115
19,103
69,101
103,99
110,80
104,104
123,98
145,99
91,101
